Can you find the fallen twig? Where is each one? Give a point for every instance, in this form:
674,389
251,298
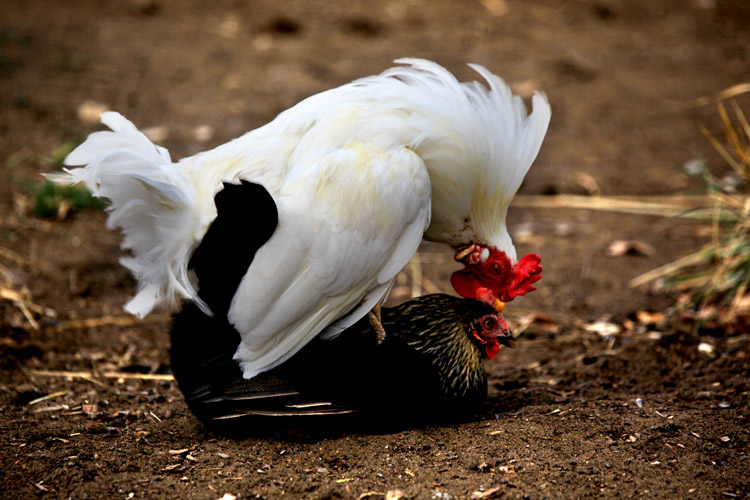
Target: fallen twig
94,376
22,301
111,321
47,397
24,261
690,207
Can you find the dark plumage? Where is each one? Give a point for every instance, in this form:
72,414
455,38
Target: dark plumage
430,364
247,218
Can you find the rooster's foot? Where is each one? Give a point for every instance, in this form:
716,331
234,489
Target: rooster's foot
377,324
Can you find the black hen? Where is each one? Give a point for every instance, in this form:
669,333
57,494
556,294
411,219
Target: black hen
429,364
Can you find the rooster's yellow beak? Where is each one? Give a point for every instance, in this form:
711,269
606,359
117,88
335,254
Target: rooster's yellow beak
499,306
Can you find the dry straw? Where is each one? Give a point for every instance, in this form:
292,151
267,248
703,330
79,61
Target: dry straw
716,277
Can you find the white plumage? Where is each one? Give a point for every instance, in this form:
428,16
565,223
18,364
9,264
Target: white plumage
359,175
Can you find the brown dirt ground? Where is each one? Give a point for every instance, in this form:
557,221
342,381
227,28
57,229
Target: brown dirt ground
562,419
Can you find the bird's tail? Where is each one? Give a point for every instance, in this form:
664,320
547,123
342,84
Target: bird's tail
154,204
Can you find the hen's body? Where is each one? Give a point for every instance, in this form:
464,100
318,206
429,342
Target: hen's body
429,364
430,361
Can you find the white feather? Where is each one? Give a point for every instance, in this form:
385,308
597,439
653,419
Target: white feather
363,230
159,211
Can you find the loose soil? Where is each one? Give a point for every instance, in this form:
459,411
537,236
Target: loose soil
657,408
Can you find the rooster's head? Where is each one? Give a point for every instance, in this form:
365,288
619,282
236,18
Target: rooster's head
490,276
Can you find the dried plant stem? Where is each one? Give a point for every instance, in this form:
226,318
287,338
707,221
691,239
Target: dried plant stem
93,376
720,149
692,207
415,269
20,260
24,305
671,268
111,321
419,281
429,286
47,397
728,93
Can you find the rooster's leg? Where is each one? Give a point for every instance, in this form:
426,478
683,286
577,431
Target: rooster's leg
376,323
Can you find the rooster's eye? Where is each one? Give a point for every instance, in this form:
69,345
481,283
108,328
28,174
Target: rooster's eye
496,268
489,323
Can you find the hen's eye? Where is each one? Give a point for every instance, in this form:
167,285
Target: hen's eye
496,268
489,323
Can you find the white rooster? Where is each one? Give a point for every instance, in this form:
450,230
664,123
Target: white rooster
358,176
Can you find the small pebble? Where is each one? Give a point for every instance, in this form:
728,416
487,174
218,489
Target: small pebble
705,348
442,495
695,167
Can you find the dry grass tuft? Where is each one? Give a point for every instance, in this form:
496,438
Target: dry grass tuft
715,280
19,296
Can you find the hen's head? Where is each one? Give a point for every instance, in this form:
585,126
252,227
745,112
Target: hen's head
490,331
490,276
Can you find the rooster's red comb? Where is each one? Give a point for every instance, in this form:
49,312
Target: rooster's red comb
526,272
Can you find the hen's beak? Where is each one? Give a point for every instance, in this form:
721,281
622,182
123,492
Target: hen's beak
507,340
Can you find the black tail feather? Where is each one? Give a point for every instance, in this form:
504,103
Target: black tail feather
246,219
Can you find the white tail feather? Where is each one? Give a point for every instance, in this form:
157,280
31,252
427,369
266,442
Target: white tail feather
155,206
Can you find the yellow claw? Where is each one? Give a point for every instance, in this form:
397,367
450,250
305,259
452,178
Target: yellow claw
460,255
